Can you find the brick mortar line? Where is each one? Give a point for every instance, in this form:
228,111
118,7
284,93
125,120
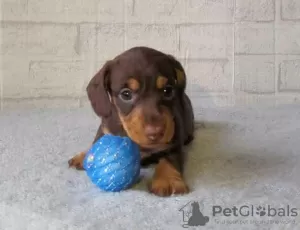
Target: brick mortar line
177,29
149,24
134,21
246,23
266,54
38,23
1,88
204,94
254,54
274,5
280,7
54,61
254,21
262,93
204,59
113,23
234,46
50,98
294,91
276,64
1,75
125,21
103,60
290,20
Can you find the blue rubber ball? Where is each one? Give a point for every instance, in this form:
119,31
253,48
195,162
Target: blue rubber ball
113,163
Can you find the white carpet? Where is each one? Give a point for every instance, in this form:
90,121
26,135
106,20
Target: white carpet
242,157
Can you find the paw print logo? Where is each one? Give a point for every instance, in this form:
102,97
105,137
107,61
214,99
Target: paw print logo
261,211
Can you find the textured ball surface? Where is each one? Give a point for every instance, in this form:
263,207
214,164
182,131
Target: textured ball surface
113,163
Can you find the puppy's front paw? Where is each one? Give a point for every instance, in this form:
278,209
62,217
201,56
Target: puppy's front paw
167,180
77,161
168,186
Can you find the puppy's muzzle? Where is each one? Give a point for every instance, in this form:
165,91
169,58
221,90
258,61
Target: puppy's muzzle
154,132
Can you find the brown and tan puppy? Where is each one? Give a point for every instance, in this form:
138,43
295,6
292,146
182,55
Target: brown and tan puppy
141,94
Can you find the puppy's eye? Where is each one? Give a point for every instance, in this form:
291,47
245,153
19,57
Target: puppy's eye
126,94
168,92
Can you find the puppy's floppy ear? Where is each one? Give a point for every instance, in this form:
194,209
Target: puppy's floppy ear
179,71
97,91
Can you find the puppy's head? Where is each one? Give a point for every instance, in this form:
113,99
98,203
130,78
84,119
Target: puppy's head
143,85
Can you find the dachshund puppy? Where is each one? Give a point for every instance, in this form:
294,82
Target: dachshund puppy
141,94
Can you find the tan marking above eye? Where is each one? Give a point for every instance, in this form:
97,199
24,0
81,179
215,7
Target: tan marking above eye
180,76
133,84
161,82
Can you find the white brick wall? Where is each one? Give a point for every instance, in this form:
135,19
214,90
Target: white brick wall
254,38
254,74
206,41
45,39
234,51
289,78
255,10
290,9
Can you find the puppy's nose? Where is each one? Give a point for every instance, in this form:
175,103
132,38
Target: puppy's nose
154,132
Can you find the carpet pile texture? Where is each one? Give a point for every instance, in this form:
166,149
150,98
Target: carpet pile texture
242,159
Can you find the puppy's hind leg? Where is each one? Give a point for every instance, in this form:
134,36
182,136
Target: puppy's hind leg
77,161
